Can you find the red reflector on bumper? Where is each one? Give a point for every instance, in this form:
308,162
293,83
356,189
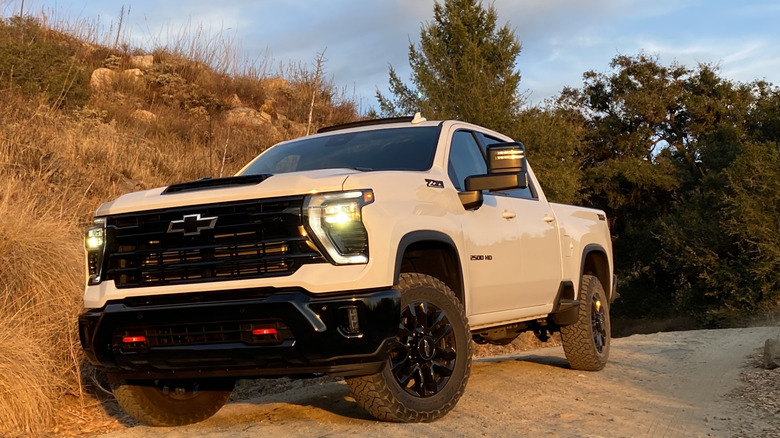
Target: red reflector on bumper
266,331
133,339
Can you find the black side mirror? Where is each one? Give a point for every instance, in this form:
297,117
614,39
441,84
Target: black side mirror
506,158
507,169
471,200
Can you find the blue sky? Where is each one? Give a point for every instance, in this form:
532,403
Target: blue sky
561,38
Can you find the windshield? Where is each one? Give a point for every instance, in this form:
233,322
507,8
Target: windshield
409,148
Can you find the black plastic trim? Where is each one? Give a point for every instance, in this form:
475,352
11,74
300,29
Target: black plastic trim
565,292
566,313
210,183
310,339
421,236
496,182
615,294
596,248
471,200
453,279
566,306
361,123
141,251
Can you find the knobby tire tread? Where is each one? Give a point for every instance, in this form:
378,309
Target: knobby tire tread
373,393
577,338
134,400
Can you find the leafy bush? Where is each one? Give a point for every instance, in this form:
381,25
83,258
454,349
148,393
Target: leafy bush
38,61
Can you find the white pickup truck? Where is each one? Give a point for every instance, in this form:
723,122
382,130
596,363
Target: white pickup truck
376,251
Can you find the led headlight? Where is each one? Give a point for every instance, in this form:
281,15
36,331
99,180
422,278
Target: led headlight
94,246
336,220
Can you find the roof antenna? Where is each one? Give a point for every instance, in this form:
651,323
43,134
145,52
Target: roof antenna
418,118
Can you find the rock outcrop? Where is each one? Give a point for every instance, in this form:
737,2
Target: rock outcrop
143,115
141,61
247,116
102,78
275,84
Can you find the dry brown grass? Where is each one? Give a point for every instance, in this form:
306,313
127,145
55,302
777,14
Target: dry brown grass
39,302
59,162
40,274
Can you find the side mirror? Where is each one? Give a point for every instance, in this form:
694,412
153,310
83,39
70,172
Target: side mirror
507,169
471,200
506,158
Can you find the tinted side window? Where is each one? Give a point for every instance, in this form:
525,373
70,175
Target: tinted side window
466,159
526,193
485,140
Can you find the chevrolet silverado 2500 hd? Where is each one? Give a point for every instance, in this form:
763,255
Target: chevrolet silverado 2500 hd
376,251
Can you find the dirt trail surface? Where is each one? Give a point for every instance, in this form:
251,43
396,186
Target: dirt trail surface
680,384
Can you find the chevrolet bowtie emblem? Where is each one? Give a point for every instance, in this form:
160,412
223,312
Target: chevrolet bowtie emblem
192,224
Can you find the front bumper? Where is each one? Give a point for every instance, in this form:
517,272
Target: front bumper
211,334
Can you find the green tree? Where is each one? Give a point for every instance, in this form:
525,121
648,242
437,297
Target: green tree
661,155
552,136
634,123
634,112
752,204
722,239
462,68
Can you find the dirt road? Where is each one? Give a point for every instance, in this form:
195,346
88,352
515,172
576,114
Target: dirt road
660,385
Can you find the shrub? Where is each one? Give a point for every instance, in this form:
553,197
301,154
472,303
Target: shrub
41,62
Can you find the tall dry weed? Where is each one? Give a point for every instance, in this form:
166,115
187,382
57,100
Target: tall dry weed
41,272
39,302
26,381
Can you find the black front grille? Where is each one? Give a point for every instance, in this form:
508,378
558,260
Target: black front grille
248,239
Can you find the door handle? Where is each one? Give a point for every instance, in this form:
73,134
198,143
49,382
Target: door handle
549,219
508,215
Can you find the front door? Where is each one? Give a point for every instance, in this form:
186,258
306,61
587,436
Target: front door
490,235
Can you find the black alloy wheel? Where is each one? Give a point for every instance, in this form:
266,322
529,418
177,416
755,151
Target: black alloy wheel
598,321
423,359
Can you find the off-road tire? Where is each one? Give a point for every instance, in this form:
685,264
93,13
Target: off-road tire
158,403
586,342
426,348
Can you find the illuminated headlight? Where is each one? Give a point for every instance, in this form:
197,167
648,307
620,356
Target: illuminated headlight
94,246
336,220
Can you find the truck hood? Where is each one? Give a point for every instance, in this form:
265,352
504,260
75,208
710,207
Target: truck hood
285,184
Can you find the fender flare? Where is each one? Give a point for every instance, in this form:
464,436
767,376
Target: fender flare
428,236
607,281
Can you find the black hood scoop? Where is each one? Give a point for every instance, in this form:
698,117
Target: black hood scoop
213,183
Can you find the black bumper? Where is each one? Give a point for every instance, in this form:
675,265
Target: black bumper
211,335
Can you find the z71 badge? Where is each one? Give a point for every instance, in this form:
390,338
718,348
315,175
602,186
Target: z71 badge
434,183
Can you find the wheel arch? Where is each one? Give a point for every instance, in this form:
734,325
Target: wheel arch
432,253
596,262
